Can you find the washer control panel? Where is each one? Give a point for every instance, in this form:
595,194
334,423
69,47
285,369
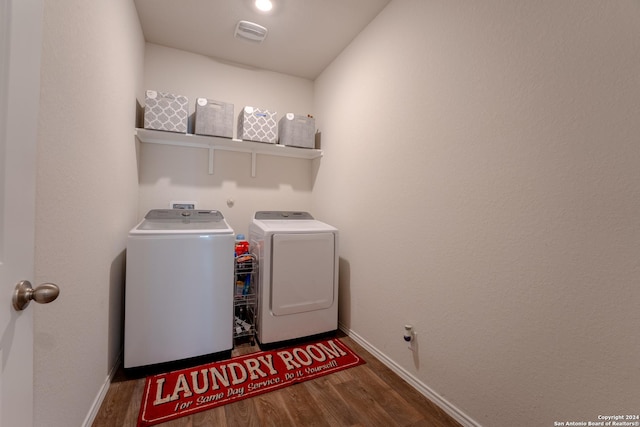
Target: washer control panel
182,214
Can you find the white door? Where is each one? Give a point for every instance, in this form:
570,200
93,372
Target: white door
20,45
302,272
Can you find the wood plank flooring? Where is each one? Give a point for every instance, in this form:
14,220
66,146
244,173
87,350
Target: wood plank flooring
367,395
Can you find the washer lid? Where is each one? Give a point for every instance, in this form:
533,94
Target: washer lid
285,215
182,221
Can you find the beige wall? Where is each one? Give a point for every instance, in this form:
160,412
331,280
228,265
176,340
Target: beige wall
87,195
493,201
177,173
481,161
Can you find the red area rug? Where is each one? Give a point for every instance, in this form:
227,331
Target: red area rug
187,391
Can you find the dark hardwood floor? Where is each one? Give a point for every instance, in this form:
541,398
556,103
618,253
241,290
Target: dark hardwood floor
367,395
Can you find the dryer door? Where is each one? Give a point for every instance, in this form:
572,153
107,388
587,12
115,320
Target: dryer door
302,272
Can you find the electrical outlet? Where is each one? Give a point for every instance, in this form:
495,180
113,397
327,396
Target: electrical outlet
409,335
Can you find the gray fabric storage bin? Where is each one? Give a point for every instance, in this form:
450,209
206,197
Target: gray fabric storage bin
257,124
166,111
214,118
297,131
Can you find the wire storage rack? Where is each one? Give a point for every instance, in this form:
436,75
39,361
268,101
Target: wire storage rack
245,298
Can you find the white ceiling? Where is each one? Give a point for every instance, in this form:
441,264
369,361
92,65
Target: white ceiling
304,36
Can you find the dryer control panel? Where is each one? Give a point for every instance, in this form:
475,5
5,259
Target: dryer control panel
270,215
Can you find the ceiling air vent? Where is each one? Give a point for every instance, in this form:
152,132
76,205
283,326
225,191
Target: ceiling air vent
250,31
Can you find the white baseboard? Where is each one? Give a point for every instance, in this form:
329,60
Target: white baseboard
97,402
424,389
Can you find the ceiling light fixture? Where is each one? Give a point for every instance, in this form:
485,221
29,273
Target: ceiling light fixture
264,5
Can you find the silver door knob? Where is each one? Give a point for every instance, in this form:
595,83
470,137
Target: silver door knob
42,294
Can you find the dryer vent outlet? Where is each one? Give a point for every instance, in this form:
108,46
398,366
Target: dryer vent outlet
183,204
250,31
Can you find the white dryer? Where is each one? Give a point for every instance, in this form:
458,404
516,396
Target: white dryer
179,287
297,275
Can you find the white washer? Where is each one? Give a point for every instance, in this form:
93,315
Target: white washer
297,275
179,287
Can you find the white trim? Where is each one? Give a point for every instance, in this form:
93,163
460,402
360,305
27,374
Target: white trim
97,402
414,382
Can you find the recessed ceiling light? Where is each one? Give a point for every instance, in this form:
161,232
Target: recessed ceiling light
264,5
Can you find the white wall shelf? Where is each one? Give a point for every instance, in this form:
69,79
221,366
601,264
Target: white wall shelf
213,143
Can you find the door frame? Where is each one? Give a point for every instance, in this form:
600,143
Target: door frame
20,51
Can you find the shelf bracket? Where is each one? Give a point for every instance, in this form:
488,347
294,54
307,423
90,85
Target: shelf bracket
211,157
253,164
